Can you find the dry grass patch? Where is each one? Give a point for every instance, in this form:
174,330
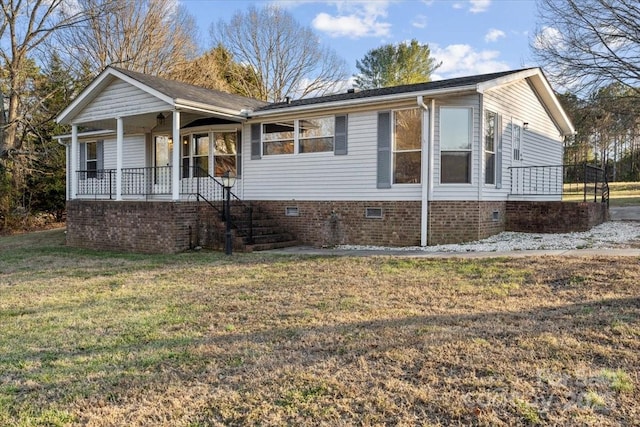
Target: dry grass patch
200,339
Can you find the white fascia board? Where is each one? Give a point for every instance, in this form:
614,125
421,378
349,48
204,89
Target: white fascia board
88,134
509,78
553,105
364,101
210,109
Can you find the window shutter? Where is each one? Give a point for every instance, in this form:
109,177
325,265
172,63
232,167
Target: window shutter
83,161
340,141
239,153
255,141
498,151
384,149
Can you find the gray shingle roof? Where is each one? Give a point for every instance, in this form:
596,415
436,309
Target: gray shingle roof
179,90
370,93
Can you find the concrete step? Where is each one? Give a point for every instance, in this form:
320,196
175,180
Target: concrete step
269,246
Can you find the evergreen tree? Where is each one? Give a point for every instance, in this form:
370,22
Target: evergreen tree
393,65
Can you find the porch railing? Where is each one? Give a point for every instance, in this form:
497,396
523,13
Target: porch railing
572,182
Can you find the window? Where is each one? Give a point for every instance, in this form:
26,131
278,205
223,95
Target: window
163,147
278,138
91,164
195,155
225,151
315,135
455,145
517,142
407,146
490,147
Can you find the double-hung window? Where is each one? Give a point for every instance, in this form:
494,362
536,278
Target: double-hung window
315,135
195,155
91,163
407,146
278,137
490,120
310,135
225,146
455,145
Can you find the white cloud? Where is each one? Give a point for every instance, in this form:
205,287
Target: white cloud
548,36
355,19
420,21
478,6
462,60
493,35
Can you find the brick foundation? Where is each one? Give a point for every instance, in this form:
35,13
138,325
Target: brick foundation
554,217
169,227
331,223
464,221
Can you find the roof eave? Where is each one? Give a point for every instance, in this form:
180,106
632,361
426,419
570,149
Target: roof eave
364,101
210,109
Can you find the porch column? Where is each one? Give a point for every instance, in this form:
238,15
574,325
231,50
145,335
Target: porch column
119,144
175,156
73,166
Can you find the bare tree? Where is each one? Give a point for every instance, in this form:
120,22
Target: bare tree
286,58
588,44
149,36
25,26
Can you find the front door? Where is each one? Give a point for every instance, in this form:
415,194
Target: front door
162,148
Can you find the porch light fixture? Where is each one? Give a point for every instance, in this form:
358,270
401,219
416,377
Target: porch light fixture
160,119
228,181
525,126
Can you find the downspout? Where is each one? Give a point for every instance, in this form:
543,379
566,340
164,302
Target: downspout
426,174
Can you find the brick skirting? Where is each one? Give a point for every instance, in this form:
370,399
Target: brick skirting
169,227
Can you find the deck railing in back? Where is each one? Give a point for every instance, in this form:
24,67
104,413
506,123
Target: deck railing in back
572,182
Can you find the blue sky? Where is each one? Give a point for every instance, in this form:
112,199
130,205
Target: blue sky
468,36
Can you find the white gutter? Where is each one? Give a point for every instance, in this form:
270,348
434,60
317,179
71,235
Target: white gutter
205,108
427,169
87,134
361,101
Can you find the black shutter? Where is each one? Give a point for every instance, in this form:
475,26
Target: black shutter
255,142
340,141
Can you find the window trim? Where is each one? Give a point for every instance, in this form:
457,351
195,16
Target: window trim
394,150
495,147
471,111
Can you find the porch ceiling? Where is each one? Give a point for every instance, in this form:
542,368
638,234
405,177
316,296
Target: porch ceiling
148,122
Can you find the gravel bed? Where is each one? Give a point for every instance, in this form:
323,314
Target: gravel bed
612,234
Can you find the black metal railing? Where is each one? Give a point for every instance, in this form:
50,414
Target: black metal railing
147,181
101,182
572,182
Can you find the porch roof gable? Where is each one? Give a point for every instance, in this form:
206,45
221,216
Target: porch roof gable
175,94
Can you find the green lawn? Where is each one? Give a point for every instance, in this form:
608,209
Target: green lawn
199,339
621,193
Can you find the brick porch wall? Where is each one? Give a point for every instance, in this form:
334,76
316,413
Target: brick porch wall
132,226
554,217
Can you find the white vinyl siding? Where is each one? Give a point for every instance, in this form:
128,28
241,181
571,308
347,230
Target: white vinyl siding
120,99
134,152
323,176
541,142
